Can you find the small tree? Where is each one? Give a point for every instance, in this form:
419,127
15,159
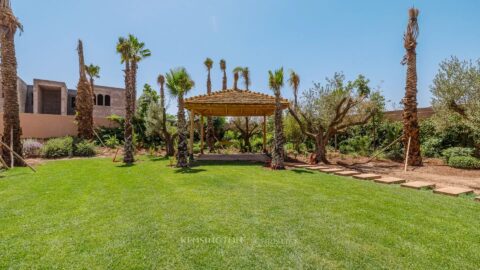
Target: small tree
223,67
328,109
456,94
167,133
247,128
210,131
275,83
294,82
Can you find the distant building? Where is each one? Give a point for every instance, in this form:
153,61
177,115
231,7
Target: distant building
51,97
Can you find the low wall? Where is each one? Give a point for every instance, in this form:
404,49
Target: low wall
43,126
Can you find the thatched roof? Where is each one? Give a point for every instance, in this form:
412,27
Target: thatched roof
233,103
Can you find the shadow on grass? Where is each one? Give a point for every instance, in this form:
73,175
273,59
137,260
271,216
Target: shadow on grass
189,170
228,163
123,165
301,171
4,175
154,158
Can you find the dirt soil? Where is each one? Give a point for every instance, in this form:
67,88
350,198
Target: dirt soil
433,171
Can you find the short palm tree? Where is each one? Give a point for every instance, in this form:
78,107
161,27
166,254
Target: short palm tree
294,82
12,131
223,67
210,136
411,130
84,100
276,83
132,51
179,83
246,77
167,136
93,73
236,76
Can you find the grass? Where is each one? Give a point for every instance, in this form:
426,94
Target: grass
91,213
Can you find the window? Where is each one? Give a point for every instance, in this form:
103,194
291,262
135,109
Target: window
73,102
100,100
94,100
107,100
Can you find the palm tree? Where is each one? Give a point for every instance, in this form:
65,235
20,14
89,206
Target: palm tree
179,83
93,73
276,83
294,82
236,76
246,77
223,67
210,136
132,51
166,135
12,131
84,100
411,130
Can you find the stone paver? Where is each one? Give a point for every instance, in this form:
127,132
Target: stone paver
477,199
347,173
390,180
318,168
419,185
453,191
303,165
331,170
367,176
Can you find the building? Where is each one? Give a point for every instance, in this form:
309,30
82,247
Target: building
54,98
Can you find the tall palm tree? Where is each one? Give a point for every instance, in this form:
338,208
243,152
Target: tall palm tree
223,67
294,82
411,130
179,83
236,76
276,83
93,73
132,51
246,77
166,134
12,131
210,136
84,100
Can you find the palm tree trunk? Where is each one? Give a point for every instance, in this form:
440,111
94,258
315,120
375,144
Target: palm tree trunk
278,152
134,85
182,152
224,81
410,117
128,157
210,130
84,104
166,135
11,111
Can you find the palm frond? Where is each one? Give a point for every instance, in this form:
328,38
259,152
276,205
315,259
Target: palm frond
208,63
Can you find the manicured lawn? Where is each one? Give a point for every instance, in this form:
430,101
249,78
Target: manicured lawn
96,214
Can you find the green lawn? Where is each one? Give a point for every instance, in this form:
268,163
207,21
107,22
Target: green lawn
96,214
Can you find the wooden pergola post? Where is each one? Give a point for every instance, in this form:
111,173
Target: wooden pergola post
192,121
202,134
264,134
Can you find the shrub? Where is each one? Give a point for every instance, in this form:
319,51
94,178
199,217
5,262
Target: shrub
112,141
358,144
84,149
57,148
463,162
431,147
457,152
32,148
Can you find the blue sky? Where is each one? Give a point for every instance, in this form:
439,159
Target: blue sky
315,38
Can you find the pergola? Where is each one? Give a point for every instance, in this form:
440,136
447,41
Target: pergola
234,103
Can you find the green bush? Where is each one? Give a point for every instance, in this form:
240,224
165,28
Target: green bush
457,152
58,148
112,141
84,149
358,145
463,162
431,147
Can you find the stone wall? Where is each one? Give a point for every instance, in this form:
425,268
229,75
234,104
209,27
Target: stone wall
117,101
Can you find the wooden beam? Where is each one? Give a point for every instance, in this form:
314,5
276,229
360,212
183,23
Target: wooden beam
192,121
202,134
265,134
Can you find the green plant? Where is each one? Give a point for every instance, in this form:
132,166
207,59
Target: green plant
431,147
58,148
84,149
112,141
464,162
457,152
359,145
32,148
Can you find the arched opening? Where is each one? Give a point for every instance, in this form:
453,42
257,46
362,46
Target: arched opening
100,100
107,100
73,102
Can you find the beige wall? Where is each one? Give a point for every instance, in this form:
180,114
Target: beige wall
43,126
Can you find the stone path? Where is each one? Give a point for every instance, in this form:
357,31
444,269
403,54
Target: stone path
390,180
367,176
419,185
453,191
